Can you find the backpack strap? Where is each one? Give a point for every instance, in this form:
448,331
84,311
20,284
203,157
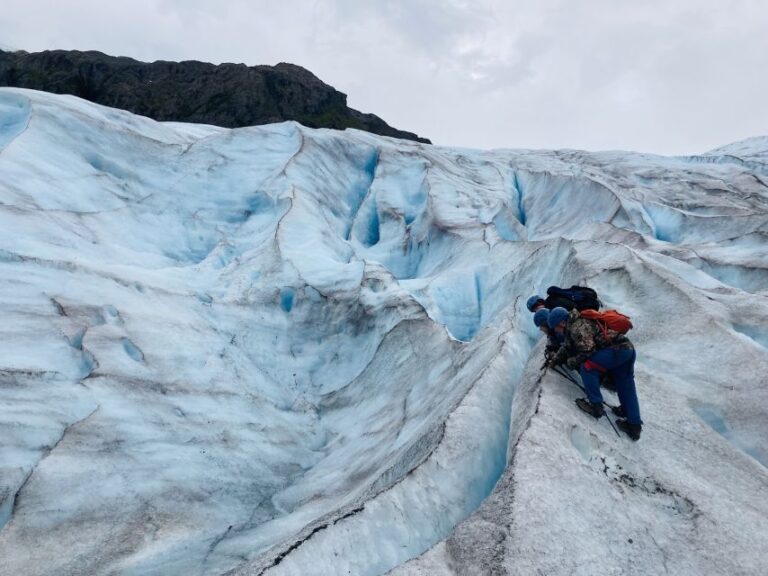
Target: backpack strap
590,365
596,317
604,329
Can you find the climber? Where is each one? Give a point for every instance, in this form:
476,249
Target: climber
593,347
554,340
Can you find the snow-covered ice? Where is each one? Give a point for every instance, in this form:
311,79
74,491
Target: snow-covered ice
277,350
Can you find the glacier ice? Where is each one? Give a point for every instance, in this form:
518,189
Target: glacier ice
290,351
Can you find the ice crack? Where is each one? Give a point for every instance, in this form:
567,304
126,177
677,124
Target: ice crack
10,505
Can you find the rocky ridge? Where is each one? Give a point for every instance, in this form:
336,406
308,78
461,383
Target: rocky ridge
226,95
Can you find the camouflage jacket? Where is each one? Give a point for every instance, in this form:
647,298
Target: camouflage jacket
583,337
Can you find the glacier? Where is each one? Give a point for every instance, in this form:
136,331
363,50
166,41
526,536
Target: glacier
285,351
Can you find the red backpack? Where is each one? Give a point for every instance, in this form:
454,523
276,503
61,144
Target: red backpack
609,320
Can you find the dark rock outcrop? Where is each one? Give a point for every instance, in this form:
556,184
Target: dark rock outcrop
229,95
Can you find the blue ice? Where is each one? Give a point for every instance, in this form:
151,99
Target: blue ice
714,418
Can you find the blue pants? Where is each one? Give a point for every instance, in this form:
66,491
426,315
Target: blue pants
620,364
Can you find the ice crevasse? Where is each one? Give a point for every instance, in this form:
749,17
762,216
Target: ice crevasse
277,350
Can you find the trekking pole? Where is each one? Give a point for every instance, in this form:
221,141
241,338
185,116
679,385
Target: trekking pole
568,377
573,379
611,422
581,386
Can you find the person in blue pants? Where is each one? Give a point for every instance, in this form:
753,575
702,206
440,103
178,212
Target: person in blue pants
595,350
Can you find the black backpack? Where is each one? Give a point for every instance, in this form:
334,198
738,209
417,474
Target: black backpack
579,297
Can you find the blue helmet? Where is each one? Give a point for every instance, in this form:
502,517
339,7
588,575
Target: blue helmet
556,316
532,301
540,317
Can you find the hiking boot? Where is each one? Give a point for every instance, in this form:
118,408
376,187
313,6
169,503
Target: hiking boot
632,430
619,411
595,410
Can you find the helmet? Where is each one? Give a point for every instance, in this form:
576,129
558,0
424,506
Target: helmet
532,301
540,317
556,316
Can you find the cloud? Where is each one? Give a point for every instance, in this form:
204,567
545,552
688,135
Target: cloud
670,77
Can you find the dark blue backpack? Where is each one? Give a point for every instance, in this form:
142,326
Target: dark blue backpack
579,297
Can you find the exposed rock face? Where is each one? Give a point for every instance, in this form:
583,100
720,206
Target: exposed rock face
228,95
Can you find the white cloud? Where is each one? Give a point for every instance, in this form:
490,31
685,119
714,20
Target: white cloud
676,77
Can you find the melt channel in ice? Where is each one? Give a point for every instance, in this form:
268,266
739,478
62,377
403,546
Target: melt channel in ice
277,350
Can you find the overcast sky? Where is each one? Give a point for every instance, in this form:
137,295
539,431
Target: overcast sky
672,77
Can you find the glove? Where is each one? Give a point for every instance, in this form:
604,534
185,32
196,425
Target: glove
557,358
572,363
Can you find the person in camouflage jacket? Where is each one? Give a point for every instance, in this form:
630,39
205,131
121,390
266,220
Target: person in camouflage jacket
595,350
